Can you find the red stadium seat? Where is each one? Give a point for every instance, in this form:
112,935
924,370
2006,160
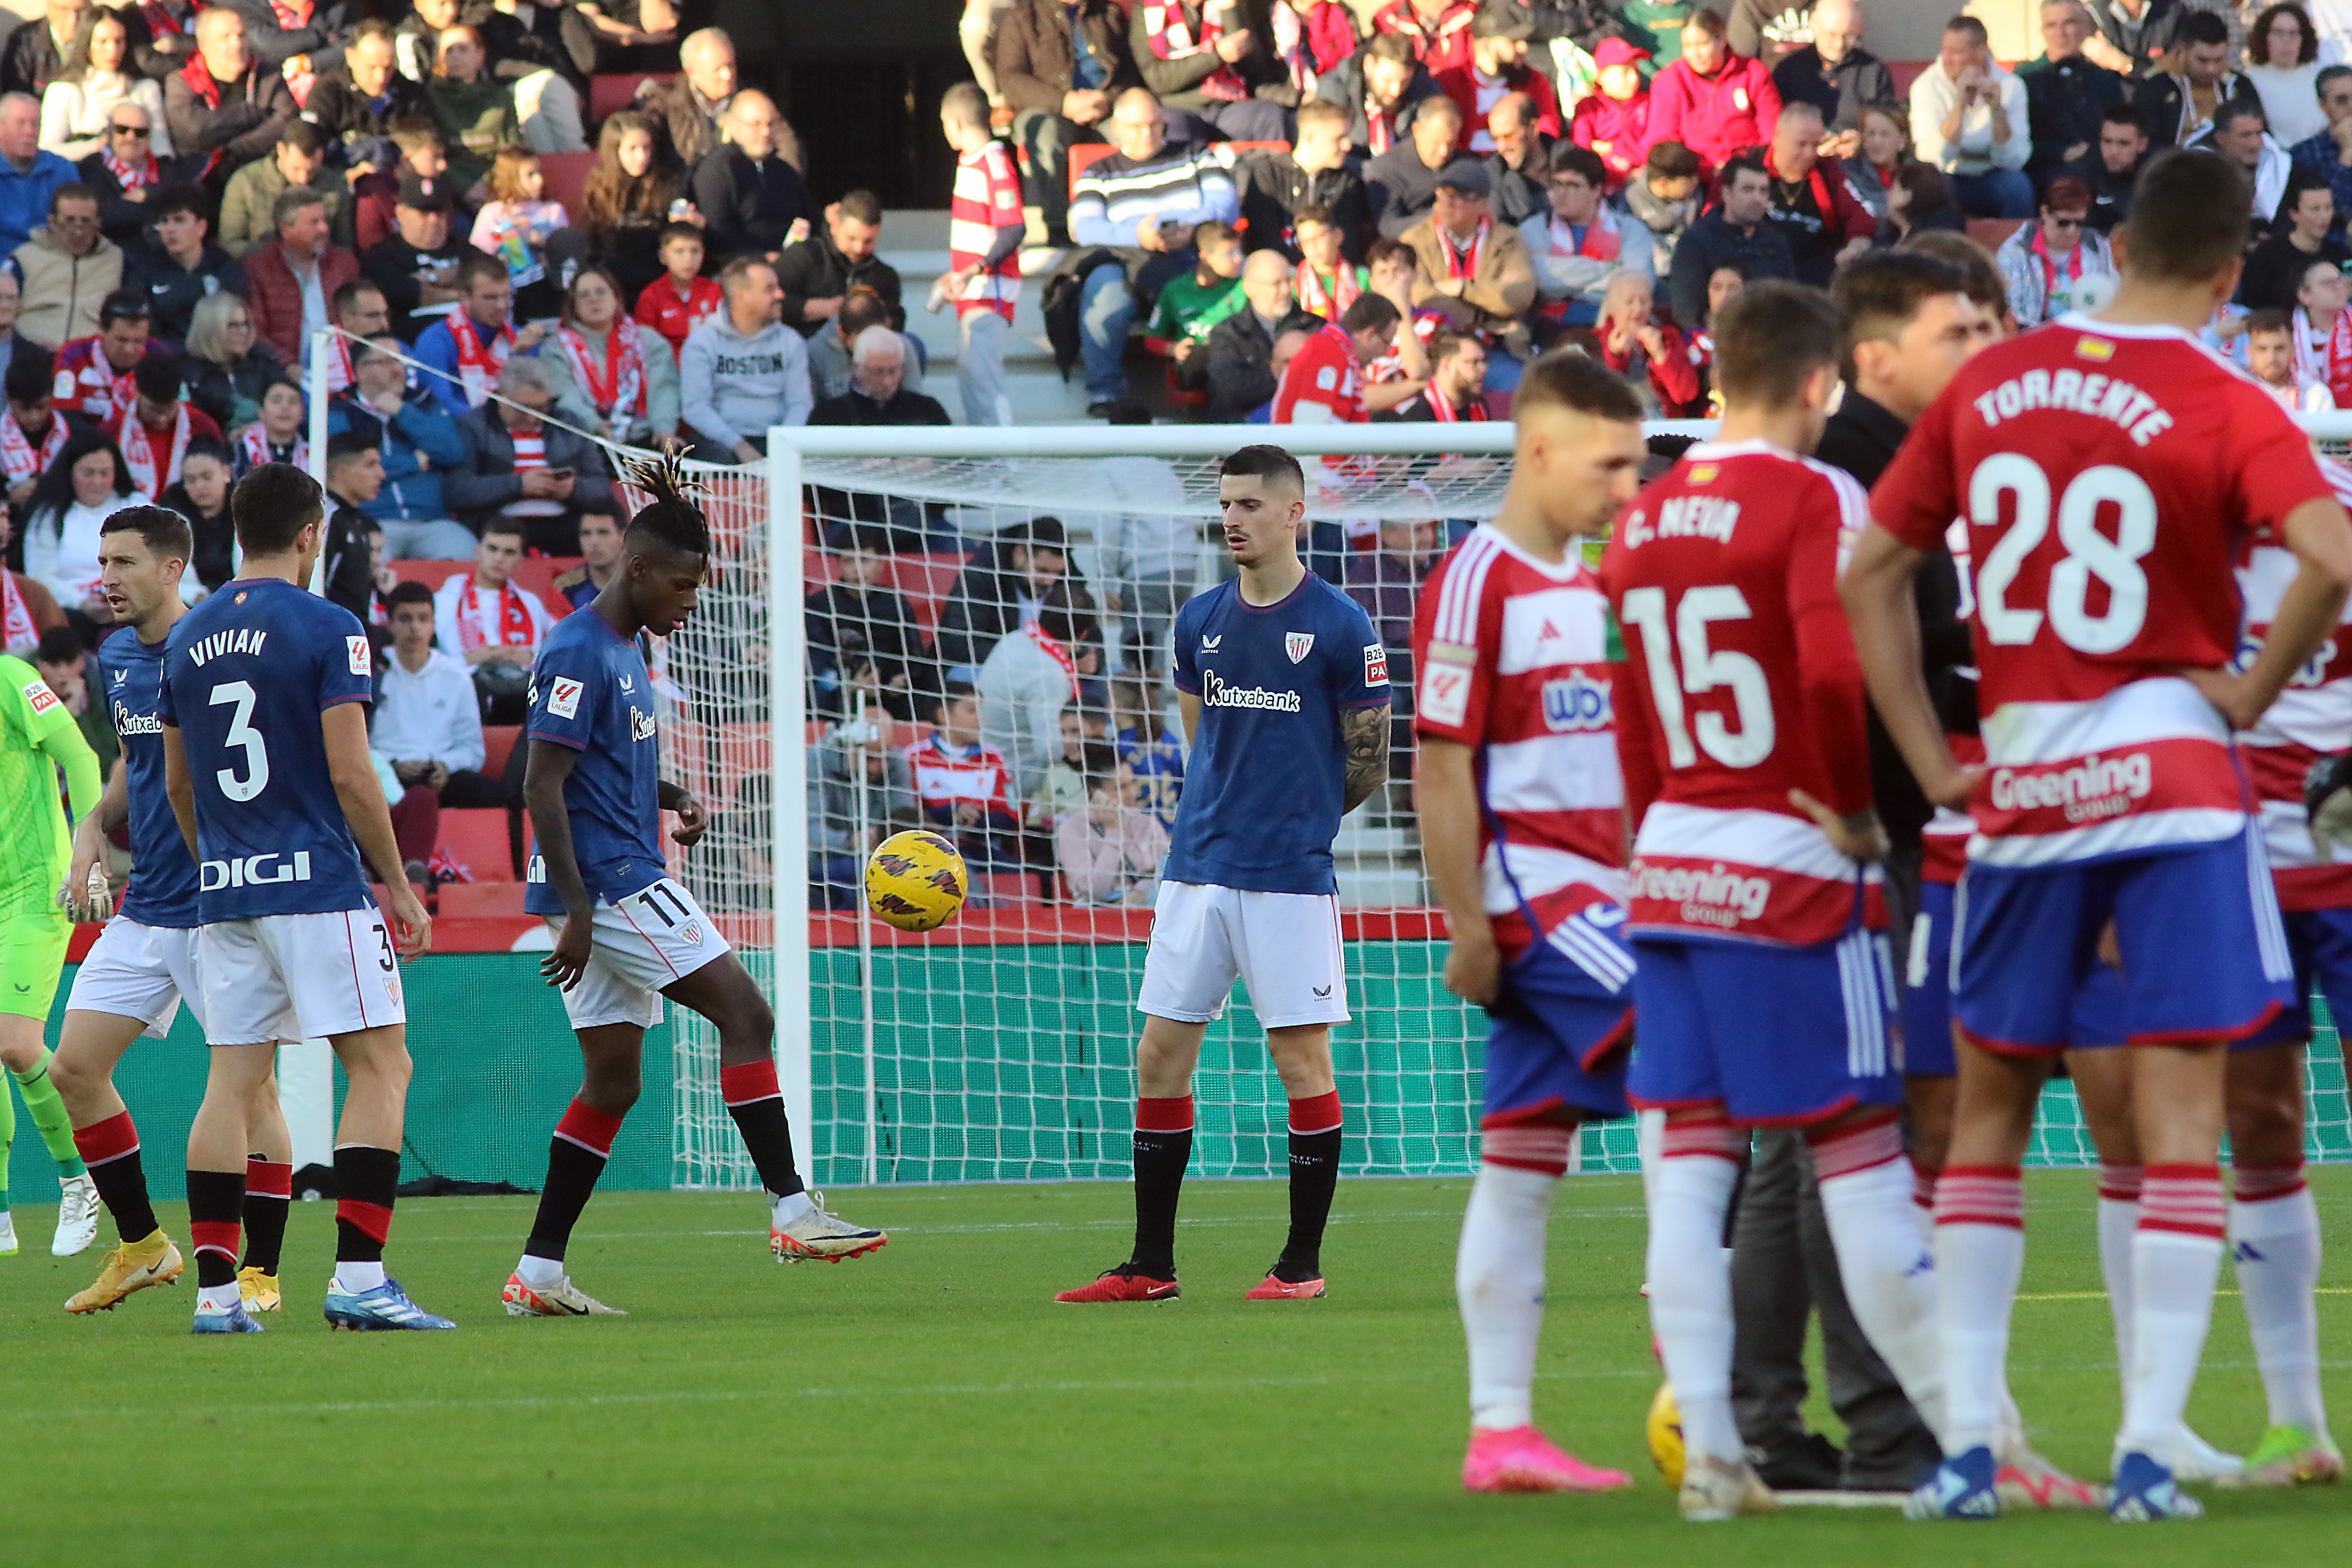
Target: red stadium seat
740,752
905,733
1010,890
1990,232
477,840
686,755
481,901
1905,73
498,741
1084,156
924,581
566,174
617,89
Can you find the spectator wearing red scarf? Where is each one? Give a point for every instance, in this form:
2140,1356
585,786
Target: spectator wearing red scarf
1497,67
1711,100
223,109
1440,30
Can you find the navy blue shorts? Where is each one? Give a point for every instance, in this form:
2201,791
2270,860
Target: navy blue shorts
2320,940
1556,1036
1780,1036
1926,1050
2205,954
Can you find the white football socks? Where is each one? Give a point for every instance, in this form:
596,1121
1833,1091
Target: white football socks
539,1273
2275,1242
2175,1258
792,1206
2119,1222
218,1298
359,1279
1690,1297
1980,1253
1498,1278
1890,1280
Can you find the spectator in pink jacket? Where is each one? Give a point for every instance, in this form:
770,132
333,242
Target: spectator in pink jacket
1711,100
1613,119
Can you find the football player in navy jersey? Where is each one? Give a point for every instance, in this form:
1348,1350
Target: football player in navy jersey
627,933
1283,688
267,765
142,965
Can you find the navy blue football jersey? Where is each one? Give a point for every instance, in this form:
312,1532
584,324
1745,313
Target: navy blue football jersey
1268,773
247,675
162,876
590,692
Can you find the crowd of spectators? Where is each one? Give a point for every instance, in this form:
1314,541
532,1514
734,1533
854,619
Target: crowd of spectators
1597,173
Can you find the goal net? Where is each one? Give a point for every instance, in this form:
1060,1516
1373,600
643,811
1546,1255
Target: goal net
868,571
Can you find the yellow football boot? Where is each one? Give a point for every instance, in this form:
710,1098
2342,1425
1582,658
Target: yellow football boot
131,1266
258,1290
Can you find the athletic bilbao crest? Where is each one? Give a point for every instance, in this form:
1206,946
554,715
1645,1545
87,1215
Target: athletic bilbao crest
1298,644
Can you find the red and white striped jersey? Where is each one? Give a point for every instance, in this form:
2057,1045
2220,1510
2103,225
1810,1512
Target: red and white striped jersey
2109,475
1512,656
1944,842
1740,683
1321,385
2310,719
987,198
946,776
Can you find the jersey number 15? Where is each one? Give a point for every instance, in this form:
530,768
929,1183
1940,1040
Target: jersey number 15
1704,669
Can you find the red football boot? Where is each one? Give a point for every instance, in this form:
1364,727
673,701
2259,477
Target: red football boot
1123,1284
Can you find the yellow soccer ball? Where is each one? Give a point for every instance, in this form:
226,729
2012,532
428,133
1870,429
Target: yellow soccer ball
916,881
1665,1434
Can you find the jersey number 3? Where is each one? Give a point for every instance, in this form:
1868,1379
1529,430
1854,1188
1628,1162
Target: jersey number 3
242,734
2089,552
1704,669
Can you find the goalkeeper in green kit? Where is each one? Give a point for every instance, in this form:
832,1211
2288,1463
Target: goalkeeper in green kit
37,737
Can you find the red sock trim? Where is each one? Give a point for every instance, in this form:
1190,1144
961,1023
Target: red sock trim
2260,1184
2121,1184
1316,1113
2183,1200
1171,1114
1702,1135
372,1220
108,1140
590,1128
750,1083
1543,1149
1923,1188
266,1178
1859,1146
214,1236
1981,1194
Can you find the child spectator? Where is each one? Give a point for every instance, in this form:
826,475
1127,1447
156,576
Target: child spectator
1110,853
963,785
514,226
680,299
276,435
1327,283
1192,304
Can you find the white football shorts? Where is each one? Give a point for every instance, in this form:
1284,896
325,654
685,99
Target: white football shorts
298,976
1284,946
648,940
141,972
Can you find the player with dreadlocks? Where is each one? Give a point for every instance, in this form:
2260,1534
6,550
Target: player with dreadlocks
626,933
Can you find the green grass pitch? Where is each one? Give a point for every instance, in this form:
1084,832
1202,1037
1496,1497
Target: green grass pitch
929,1405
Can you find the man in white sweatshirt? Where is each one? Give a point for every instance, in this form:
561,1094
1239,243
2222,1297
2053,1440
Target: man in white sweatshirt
743,372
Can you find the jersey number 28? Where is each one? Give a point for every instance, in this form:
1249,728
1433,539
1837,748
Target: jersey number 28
242,734
2090,553
1704,669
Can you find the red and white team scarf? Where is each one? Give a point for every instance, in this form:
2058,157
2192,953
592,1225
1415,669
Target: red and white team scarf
131,176
88,384
199,77
2311,349
2040,253
254,449
1173,40
1446,414
1380,126
138,446
294,18
1460,264
16,628
515,629
161,23
18,459
340,374
1327,297
1310,46
1056,651
620,386
477,365
1389,367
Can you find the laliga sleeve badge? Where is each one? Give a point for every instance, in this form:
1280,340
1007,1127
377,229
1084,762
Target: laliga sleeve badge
563,698
361,661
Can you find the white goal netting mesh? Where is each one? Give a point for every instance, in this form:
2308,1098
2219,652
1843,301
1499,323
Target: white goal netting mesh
1001,1047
